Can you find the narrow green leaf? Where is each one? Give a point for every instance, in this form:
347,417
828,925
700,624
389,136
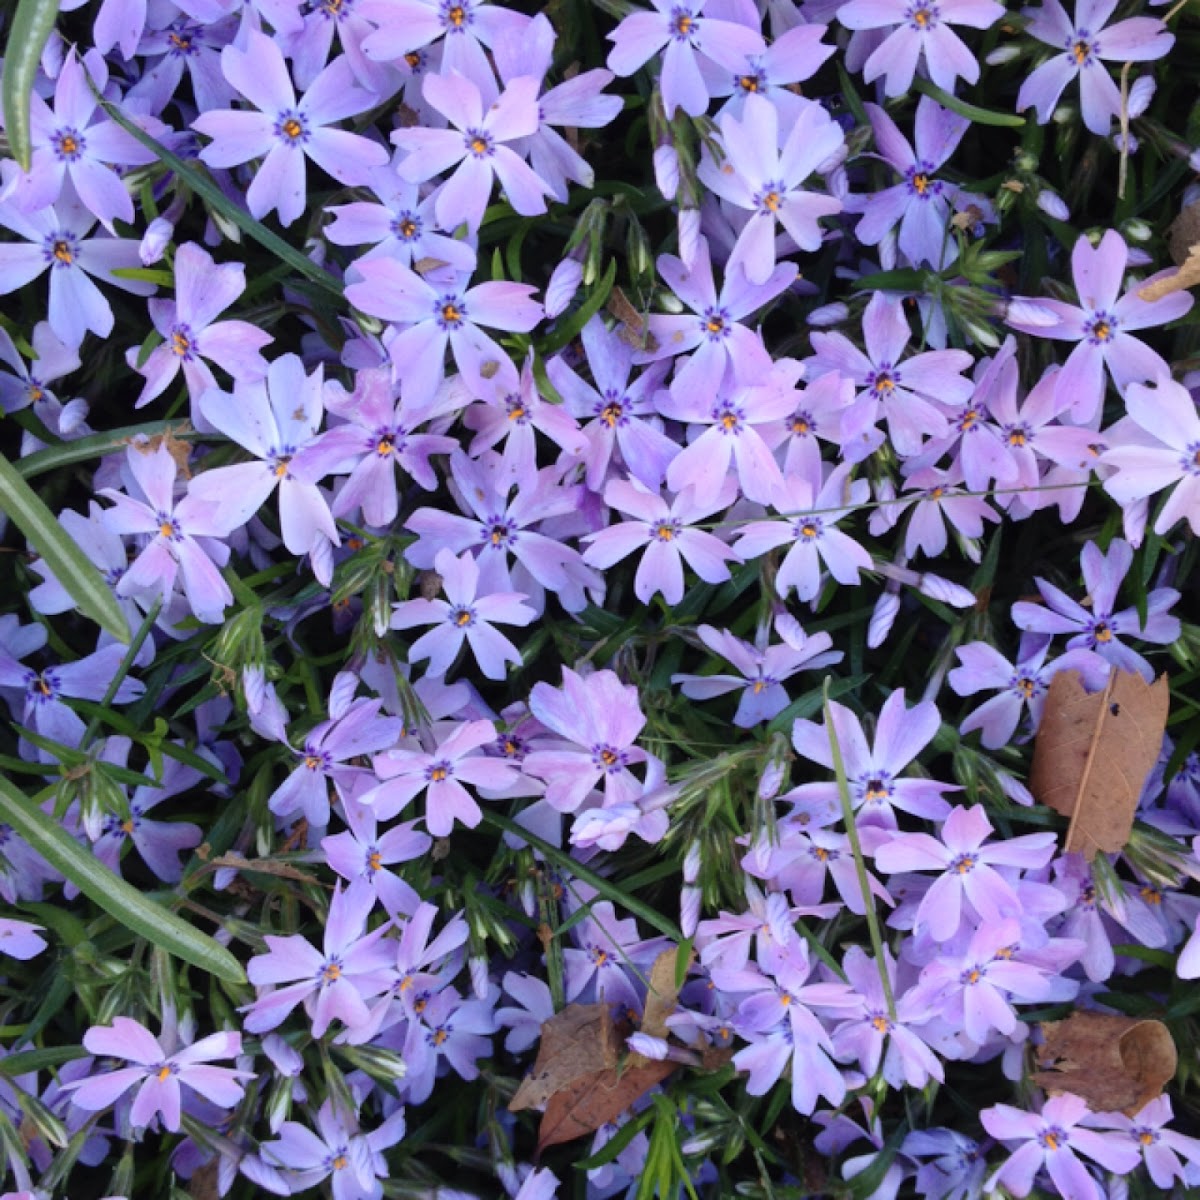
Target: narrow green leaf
118,898
153,275
27,37
903,279
980,116
39,1060
212,195
70,565
99,444
570,327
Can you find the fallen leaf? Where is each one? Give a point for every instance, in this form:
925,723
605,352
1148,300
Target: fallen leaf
1183,236
576,1043
1115,1063
1187,276
204,1184
593,1100
1093,754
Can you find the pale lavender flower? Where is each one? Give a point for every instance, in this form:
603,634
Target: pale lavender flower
476,142
191,333
440,774
161,1075
1101,325
794,56
184,44
665,533
920,27
1049,1141
464,616
1083,46
361,852
1101,629
689,38
1166,450
524,1023
1161,1148
285,130
20,939
31,384
767,181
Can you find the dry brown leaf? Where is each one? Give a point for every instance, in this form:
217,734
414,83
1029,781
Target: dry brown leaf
1093,753
1187,276
576,1043
593,1100
1183,236
1115,1063
204,1184
662,995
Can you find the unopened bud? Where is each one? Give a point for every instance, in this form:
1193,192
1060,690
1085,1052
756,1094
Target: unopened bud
381,1064
1137,231
882,619
1053,205
1141,92
478,968
829,314
666,170
691,863
937,588
689,236
689,909
564,283
155,240
1002,54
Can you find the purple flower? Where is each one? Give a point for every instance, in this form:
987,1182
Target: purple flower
1101,325
921,204
325,757
608,957
191,333
361,852
1050,1139
619,417
1083,44
31,384
440,774
766,181
277,420
967,867
334,983
464,616
762,672
431,319
1101,628
907,393
665,533
721,343
983,667
477,144
19,939
286,131
794,55
600,718
55,239
1161,1148
160,1074
813,510
875,791
173,549
184,44
1164,450
920,27
68,143
689,38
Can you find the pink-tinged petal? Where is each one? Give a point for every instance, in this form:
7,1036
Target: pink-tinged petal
637,38
895,59
492,650
1182,504
304,515
203,289
902,732
885,328
237,137
1080,384
279,185
156,1096
102,1090
912,852
1071,1178
335,94
155,473
941,908
449,802
20,263
390,290
207,593
101,190
1132,312
618,541
1098,270
507,306
660,571
463,198
259,73
515,112
1132,361
124,1039
871,14
348,157
235,347
152,573
1009,1124
523,187
1045,85
456,97
238,491
707,555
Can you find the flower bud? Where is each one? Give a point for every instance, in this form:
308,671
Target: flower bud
689,909
1001,55
689,236
1141,92
1136,231
155,240
564,283
666,170
829,314
279,1102
381,1064
1053,205
882,619
937,588
478,968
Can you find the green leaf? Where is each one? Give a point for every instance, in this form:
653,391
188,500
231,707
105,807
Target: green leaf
980,116
212,195
903,279
27,37
118,898
155,275
70,565
39,1060
571,326
100,444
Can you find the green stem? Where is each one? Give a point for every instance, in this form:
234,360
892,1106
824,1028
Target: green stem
123,669
860,866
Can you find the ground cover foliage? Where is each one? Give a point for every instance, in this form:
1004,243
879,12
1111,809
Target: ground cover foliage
599,600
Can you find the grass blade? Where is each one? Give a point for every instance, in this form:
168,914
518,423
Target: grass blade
97,445
27,37
119,899
70,565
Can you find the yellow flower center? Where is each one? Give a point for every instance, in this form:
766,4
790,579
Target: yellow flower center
375,860
62,251
439,774
180,344
921,183
611,414
340,1163
292,129
163,1073
332,972
457,15
450,314
771,201
749,83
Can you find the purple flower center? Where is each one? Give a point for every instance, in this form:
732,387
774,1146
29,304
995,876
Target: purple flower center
339,1160
921,182
1190,462
770,197
388,440
479,143
1026,686
316,760
406,226
824,855
922,16
68,144
182,342
291,127
666,531
884,380
114,827
435,1037
752,80
333,10
61,249
729,418
968,420
168,527
1144,1135
608,758
964,864
875,789
449,311
330,972
808,529
42,688
685,25
1100,328
1053,1137
803,424
516,408
463,616
456,15
714,324
281,461
972,975
1082,48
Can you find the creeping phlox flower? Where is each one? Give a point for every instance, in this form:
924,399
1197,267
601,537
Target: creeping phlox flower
162,1076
